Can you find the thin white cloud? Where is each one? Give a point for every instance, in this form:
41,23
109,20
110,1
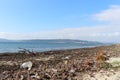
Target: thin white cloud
112,14
114,34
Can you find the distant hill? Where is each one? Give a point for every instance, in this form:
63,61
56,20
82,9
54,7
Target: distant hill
69,41
84,42
61,41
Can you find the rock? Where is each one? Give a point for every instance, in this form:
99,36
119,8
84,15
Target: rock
65,62
32,75
4,75
27,65
22,77
67,57
54,70
72,71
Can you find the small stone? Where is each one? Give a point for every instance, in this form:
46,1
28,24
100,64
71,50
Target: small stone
72,71
54,70
27,65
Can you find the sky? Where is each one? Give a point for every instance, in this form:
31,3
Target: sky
93,20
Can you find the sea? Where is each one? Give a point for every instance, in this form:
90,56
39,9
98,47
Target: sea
45,45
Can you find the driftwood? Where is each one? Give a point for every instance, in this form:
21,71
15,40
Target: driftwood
27,51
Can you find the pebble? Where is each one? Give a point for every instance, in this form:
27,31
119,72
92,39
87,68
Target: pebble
26,65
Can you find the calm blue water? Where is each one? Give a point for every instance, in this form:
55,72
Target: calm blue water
40,46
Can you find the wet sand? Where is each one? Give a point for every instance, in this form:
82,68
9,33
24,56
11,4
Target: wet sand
69,64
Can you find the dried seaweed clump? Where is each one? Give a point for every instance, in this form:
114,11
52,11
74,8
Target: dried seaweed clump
101,56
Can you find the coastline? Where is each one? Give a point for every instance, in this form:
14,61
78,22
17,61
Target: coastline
10,63
54,49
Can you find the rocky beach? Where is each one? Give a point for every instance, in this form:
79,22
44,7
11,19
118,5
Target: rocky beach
70,64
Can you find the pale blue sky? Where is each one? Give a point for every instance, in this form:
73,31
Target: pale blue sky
46,17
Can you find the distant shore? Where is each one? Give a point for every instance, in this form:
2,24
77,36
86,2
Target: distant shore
10,63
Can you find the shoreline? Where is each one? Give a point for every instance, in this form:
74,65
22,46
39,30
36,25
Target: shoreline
10,63
15,52
17,49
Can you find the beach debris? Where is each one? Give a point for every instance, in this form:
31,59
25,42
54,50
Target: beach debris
11,63
68,66
65,62
87,64
54,70
47,76
101,56
45,58
27,51
4,75
26,65
103,75
67,57
22,77
72,71
34,75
